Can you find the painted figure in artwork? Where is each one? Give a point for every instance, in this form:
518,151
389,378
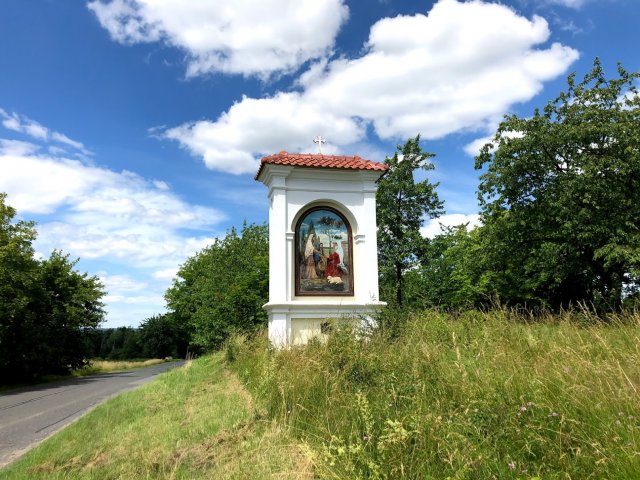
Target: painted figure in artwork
309,268
332,263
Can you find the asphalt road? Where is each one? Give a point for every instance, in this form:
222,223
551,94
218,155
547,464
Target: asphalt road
29,415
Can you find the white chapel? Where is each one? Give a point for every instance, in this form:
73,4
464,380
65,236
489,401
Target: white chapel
322,242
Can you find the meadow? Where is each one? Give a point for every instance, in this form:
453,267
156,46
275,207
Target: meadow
473,395
105,366
476,395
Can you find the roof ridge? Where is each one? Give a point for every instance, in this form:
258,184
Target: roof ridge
321,160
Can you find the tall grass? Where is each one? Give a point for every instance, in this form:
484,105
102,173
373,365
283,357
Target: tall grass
475,395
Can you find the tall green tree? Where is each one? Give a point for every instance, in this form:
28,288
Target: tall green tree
18,289
560,195
223,287
403,206
69,303
163,336
453,273
45,305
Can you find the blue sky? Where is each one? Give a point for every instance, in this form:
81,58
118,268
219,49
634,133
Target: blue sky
130,130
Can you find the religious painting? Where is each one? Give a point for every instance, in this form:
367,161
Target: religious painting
323,256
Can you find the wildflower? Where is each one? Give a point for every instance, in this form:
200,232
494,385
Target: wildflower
512,466
523,408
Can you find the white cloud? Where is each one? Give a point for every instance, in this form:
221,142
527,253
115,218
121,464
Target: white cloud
242,37
116,284
137,299
104,213
40,184
256,126
166,274
17,147
21,124
460,67
473,148
434,226
122,314
568,3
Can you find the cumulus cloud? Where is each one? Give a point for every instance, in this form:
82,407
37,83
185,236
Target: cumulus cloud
473,148
240,37
103,213
263,125
136,299
459,67
166,274
435,226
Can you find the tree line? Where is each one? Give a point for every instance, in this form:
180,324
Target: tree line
559,196
159,336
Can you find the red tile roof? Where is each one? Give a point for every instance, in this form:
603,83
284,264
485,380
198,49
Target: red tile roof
319,160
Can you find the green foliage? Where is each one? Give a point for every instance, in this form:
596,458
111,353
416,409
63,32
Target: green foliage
18,289
68,304
223,287
45,305
163,336
452,274
121,343
159,336
560,196
466,396
402,204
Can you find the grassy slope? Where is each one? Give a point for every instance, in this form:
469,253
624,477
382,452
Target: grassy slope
194,422
477,396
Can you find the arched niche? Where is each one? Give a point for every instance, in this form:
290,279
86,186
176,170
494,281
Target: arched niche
326,202
323,252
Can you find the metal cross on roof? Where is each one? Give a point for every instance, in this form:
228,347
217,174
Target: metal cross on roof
319,140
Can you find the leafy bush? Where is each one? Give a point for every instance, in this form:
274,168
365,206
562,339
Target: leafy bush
223,287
